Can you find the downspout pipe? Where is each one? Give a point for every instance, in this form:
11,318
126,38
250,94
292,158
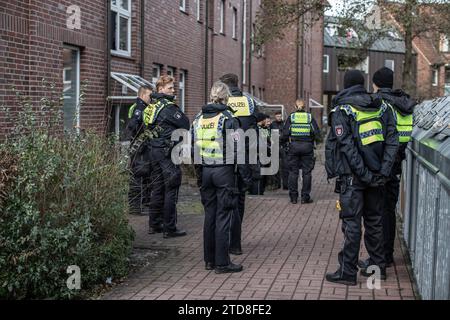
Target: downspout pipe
142,66
206,49
108,64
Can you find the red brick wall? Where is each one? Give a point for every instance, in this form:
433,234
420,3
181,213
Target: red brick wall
281,71
33,34
35,47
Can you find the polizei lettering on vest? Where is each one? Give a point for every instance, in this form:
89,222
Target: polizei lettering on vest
188,310
237,104
211,125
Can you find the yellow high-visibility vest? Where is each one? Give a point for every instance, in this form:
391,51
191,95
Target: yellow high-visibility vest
370,129
208,136
301,124
241,106
152,111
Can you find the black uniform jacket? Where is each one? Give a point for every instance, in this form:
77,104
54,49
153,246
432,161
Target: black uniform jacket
348,155
287,131
169,119
403,104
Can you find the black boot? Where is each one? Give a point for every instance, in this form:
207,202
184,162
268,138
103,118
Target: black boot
231,268
339,277
364,273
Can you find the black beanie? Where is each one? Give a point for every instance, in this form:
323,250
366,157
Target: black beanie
260,117
352,78
384,78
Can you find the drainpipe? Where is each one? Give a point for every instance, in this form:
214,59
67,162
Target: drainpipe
251,52
206,48
108,63
142,66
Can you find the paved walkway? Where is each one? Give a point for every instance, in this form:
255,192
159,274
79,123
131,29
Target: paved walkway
287,251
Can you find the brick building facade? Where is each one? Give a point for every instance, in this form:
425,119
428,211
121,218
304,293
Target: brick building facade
194,40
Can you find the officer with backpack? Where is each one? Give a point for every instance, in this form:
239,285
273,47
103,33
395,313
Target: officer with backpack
361,149
139,152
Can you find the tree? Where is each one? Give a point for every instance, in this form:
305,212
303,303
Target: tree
369,19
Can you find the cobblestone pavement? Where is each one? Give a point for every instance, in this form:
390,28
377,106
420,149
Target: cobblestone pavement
287,251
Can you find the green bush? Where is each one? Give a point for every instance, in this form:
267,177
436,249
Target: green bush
63,202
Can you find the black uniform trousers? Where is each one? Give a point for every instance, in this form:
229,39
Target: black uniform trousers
300,157
219,200
391,194
358,201
139,185
281,178
165,181
238,216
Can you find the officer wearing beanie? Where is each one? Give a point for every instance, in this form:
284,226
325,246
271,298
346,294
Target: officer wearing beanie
300,131
361,149
402,107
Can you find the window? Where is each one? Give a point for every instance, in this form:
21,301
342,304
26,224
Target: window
389,64
235,22
326,63
71,91
253,38
222,16
171,71
260,93
435,78
183,5
445,43
182,85
199,10
121,27
156,73
363,66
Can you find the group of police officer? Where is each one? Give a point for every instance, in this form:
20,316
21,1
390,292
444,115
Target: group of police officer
362,152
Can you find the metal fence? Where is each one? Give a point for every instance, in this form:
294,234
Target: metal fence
425,198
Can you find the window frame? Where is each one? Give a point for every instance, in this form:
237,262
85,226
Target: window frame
120,12
235,23
199,11
435,77
183,7
77,90
327,70
171,71
444,46
182,89
393,64
158,67
222,16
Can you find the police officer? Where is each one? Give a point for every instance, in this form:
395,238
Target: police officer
244,109
165,115
300,132
361,149
402,107
281,178
218,150
139,152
